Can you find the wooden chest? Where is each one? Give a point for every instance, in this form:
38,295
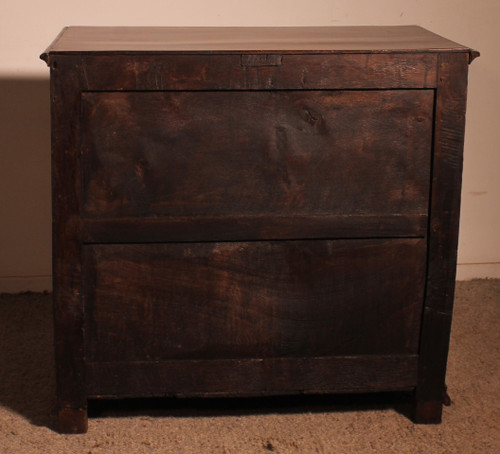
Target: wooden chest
254,211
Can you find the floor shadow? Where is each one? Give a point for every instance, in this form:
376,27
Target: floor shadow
218,407
27,378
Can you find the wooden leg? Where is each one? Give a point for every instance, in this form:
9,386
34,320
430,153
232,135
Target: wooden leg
427,412
72,421
430,411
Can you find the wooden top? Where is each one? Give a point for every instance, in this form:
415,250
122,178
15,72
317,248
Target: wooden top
359,39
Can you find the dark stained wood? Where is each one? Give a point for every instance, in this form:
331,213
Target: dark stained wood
66,244
255,299
252,377
256,153
430,390
72,421
443,235
226,72
242,228
254,211
428,411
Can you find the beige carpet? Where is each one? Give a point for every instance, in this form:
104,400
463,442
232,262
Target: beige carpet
366,424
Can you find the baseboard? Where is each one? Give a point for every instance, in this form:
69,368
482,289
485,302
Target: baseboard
19,284
468,271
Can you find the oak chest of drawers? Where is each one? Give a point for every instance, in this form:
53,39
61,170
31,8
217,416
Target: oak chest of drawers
254,211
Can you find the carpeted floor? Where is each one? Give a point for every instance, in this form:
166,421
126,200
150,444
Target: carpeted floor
330,425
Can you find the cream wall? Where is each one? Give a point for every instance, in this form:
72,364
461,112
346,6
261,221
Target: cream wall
27,27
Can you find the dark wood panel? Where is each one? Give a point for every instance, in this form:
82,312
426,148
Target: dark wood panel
443,236
66,248
447,181
253,300
236,377
228,72
242,228
256,153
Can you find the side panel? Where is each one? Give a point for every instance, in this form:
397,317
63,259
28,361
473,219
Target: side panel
443,235
66,243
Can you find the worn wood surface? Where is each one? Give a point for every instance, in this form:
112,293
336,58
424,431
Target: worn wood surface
242,228
237,207
256,153
250,39
443,236
253,377
229,72
253,300
66,244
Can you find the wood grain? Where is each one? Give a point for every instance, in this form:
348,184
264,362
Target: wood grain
256,153
253,300
66,249
252,377
241,39
226,72
443,236
258,227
